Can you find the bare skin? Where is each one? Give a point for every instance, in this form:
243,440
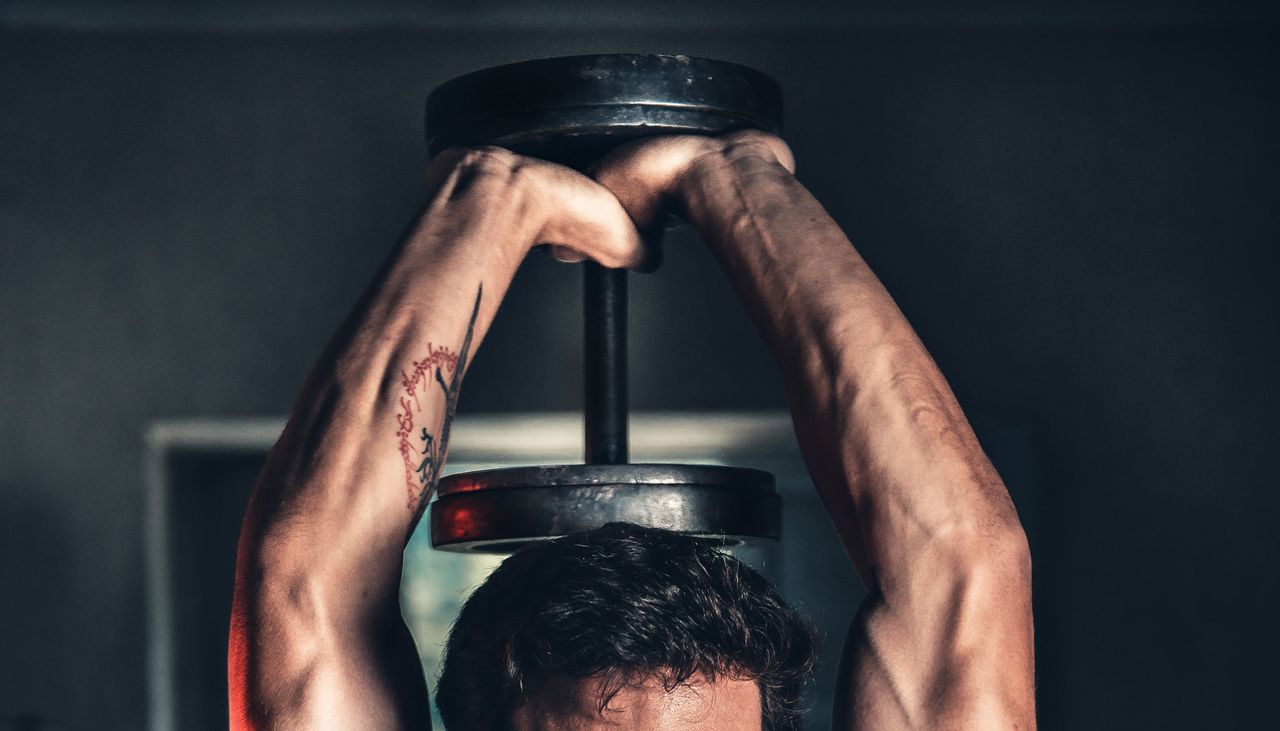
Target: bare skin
317,640
945,638
571,705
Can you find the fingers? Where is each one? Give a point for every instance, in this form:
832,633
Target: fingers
645,175
561,253
586,221
615,219
747,144
572,217
756,142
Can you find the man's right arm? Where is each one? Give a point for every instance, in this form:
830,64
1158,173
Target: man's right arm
944,639
317,640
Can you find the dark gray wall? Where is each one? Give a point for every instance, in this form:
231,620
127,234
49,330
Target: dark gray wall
1080,220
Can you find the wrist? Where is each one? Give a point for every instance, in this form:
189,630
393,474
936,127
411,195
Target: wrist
711,186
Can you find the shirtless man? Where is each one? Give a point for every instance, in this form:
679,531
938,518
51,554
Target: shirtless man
670,634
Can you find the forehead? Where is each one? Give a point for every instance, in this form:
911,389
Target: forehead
572,704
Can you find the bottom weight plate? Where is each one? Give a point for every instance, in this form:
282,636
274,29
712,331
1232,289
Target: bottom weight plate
497,511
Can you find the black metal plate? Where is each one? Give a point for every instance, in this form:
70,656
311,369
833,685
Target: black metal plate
576,108
497,511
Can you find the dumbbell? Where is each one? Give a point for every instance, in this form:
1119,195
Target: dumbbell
573,111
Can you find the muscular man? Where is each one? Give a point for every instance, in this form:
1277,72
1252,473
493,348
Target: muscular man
626,627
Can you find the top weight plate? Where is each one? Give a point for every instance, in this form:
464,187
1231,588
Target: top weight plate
574,109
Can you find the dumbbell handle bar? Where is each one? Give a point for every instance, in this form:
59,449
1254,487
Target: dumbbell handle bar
604,349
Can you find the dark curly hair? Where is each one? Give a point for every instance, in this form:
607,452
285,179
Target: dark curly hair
623,604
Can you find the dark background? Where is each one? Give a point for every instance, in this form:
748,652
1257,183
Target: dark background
1077,205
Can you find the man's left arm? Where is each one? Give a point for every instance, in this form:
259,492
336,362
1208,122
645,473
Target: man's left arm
944,638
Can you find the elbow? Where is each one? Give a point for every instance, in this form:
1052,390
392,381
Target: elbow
1009,565
994,558
1017,551
1001,553
1010,550
281,582
991,586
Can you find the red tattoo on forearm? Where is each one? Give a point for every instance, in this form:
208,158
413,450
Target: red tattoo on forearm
417,460
423,454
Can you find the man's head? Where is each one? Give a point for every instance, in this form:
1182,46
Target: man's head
624,625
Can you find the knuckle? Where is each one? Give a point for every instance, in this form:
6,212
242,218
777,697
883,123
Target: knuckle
480,160
487,159
481,167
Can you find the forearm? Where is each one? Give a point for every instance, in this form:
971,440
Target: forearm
368,434
320,552
921,511
891,435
